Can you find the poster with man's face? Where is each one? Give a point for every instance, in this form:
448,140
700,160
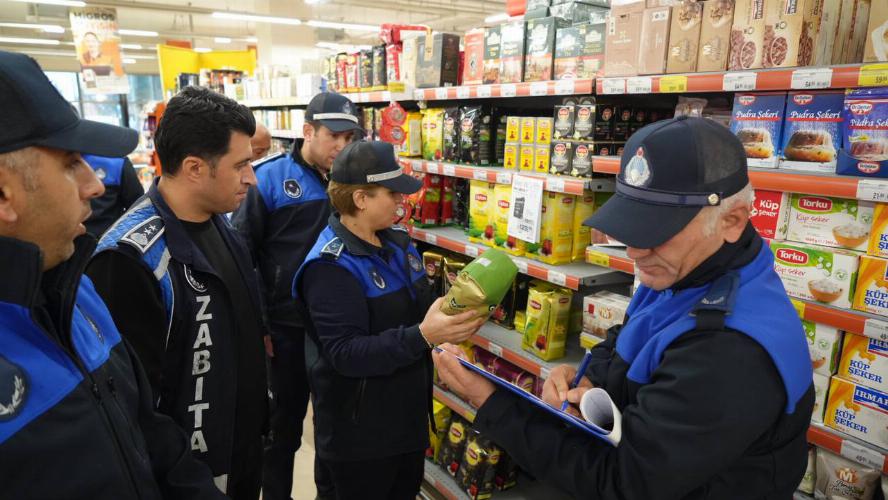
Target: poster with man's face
97,44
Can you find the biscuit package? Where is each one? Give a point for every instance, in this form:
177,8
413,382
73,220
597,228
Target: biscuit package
865,134
812,132
872,286
841,479
757,120
878,241
822,274
823,346
865,361
832,222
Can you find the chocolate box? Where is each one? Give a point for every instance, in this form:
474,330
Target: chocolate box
876,49
492,51
654,41
437,62
512,52
757,120
684,37
540,48
748,35
623,40
812,131
715,35
473,70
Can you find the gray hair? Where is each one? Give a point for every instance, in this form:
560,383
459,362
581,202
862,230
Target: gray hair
23,162
745,196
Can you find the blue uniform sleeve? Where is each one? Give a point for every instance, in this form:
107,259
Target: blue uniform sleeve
338,312
249,220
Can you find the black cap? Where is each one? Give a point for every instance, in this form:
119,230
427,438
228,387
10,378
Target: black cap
372,162
669,171
35,114
334,111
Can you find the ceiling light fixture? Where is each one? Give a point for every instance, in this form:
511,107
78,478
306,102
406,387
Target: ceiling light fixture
341,46
35,41
48,28
342,26
257,19
64,3
131,46
129,60
139,33
222,39
497,18
138,56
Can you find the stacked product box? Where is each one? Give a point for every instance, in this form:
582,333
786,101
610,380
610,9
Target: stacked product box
864,135
770,214
757,120
579,51
827,221
812,132
820,274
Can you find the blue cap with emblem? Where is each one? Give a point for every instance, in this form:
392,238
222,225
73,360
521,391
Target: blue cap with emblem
334,111
670,170
372,162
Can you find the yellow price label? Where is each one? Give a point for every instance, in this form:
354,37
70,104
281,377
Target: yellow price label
672,84
873,75
799,307
597,258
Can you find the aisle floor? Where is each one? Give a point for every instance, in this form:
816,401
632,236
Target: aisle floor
303,465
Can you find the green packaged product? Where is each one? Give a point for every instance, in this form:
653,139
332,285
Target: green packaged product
482,284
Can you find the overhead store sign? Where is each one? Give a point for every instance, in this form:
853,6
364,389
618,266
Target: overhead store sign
97,43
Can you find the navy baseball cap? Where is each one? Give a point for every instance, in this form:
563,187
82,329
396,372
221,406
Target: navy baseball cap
35,114
372,162
669,171
334,111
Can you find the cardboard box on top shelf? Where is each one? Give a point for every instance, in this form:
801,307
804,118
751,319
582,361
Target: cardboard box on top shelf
684,37
492,48
473,70
715,35
827,30
623,39
512,38
787,40
654,40
855,49
748,34
662,3
437,62
876,49
539,56
578,12
409,57
844,47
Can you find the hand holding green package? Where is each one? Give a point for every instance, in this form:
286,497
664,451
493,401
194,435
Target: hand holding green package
481,285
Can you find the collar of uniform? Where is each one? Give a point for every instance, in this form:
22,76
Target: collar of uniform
181,247
359,247
729,256
20,265
296,156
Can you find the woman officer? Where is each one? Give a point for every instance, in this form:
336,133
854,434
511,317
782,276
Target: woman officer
372,321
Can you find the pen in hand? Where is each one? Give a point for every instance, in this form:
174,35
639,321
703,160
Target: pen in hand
581,372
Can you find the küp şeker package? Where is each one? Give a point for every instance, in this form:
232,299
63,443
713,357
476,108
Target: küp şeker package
865,361
824,343
821,274
872,286
858,410
770,214
878,242
832,222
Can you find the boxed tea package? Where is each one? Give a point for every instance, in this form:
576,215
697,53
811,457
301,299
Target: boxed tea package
872,286
564,121
747,35
715,35
603,310
621,123
477,472
770,214
654,41
528,130
513,129
841,479
833,222
512,38
857,410
623,41
757,120
588,119
579,51
578,12
821,392
492,47
823,346
822,274
562,155
876,48
511,153
365,69
526,156
684,37
473,69
353,72
605,116
380,79
540,48
502,198
878,240
498,129
437,63
432,134
556,230
582,235
412,145
541,158
581,163
544,131
453,447
481,211
812,132
450,134
548,318
865,361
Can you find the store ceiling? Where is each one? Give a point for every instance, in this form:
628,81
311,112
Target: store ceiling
194,22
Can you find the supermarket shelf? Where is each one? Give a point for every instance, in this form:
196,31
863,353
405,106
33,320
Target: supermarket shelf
384,96
798,495
285,134
499,175
442,482
506,344
276,102
858,322
454,402
790,181
524,89
848,447
806,78
568,275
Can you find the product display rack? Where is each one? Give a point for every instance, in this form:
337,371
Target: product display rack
505,90
848,447
506,344
276,102
568,275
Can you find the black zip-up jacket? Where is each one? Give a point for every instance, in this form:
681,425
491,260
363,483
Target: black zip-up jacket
122,190
280,220
179,316
77,419
710,423
369,368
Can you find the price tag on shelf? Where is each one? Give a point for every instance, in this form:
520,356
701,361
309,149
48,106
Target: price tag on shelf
876,329
813,78
558,278
545,372
495,349
873,75
432,168
430,238
419,95
521,265
872,190
673,84
862,454
639,85
564,87
441,93
386,96
739,82
483,91
555,184
479,174
597,258
503,178
463,92
613,86
539,88
448,170
471,251
508,90
799,307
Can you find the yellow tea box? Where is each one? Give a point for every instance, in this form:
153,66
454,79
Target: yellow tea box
865,361
544,130
513,129
510,156
528,129
872,286
556,230
541,159
526,157
481,212
502,194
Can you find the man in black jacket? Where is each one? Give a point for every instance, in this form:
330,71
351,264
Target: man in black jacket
180,284
280,221
710,369
122,189
77,418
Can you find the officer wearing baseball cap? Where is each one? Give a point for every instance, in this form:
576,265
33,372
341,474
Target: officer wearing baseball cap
77,418
710,367
280,220
371,317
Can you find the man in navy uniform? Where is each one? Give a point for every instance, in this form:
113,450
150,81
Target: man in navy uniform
122,189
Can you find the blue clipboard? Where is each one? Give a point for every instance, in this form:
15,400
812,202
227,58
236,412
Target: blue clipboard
579,423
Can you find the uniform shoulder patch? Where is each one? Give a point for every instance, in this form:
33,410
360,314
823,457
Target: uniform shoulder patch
262,161
13,389
145,234
333,248
398,227
292,188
